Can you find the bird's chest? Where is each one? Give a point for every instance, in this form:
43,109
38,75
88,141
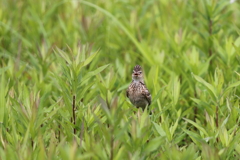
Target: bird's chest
135,91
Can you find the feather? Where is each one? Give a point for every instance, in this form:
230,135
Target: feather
137,68
127,92
146,93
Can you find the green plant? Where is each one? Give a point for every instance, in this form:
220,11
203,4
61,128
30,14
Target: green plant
65,67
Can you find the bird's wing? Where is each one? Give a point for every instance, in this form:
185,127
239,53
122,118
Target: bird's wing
127,92
146,94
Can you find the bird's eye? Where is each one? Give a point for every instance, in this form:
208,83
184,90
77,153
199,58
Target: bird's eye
140,72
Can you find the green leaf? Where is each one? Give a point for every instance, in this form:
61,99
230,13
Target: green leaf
207,85
197,126
173,128
140,47
93,73
159,129
26,41
156,97
219,80
154,144
176,90
194,136
2,97
89,59
230,87
63,55
198,101
3,69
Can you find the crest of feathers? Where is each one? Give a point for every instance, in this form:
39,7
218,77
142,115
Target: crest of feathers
137,68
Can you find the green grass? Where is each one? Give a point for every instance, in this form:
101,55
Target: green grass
66,65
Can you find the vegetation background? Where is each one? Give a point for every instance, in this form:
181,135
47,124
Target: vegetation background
65,67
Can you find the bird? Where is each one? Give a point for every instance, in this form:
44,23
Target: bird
137,91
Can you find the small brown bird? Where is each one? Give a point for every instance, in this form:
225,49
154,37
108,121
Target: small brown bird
137,91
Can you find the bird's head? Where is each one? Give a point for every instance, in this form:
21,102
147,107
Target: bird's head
137,74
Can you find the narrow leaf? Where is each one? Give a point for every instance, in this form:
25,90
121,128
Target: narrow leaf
2,97
93,73
197,126
159,129
89,59
63,55
140,46
206,84
176,90
232,86
154,144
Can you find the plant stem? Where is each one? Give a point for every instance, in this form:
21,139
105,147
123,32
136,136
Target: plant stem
81,133
216,116
195,108
216,121
59,129
210,33
112,143
73,112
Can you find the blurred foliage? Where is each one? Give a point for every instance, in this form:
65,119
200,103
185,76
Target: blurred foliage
65,67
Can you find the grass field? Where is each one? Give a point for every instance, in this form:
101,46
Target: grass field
65,67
